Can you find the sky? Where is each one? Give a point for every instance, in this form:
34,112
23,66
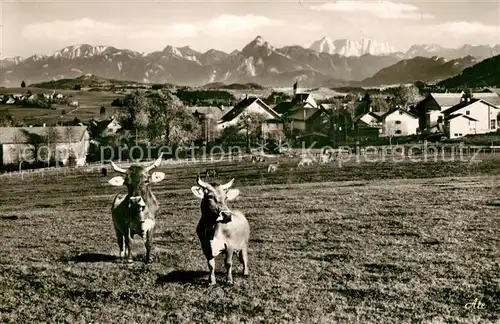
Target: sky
43,27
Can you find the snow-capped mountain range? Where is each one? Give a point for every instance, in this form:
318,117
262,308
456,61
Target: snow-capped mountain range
348,47
326,62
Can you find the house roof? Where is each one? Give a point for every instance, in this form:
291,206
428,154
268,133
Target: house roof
301,97
307,113
492,98
210,111
461,115
283,107
26,135
242,105
446,99
313,134
451,99
394,110
464,104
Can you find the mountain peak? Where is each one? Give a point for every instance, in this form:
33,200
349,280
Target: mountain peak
259,41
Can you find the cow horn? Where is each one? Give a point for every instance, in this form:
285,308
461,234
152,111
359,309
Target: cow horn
156,164
227,185
117,168
200,182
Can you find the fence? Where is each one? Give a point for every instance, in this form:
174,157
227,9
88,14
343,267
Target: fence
416,149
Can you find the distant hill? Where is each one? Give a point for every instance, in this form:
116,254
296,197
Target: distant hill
419,69
234,86
84,81
482,74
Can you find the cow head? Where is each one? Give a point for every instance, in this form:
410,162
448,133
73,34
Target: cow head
137,179
213,199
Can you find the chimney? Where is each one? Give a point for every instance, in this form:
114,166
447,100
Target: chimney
295,87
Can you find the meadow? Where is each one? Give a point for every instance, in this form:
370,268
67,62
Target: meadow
90,103
367,242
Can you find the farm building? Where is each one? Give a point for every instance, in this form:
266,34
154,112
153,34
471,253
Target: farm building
247,106
477,117
431,108
396,122
105,127
32,144
299,111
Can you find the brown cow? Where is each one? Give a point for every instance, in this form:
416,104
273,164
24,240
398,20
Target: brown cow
135,213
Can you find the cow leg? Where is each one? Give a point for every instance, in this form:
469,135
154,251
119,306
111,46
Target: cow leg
211,269
128,242
119,238
244,260
149,238
229,265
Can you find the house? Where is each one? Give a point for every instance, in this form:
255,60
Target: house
105,127
11,101
477,116
431,108
299,110
31,144
459,125
369,125
395,122
246,106
399,122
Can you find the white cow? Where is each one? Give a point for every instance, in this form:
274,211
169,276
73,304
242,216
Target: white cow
221,229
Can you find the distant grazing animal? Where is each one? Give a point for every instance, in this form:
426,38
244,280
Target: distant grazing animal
272,167
73,103
220,228
104,172
305,161
258,158
135,213
211,173
325,157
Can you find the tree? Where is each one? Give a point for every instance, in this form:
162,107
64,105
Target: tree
77,87
49,139
102,112
6,120
379,104
406,96
17,150
252,124
170,122
133,114
364,105
23,84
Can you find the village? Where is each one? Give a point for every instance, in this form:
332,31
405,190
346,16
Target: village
298,119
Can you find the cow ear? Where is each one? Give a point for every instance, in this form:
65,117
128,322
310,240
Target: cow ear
117,181
157,177
231,194
198,191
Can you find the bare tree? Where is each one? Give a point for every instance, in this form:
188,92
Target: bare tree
50,138
17,150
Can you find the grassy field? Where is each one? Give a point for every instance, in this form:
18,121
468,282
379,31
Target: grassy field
90,103
356,247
